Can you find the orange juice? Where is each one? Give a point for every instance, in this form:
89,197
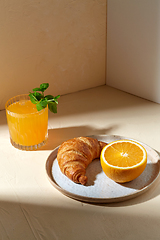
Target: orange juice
28,127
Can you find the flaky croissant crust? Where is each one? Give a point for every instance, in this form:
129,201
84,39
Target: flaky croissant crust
76,154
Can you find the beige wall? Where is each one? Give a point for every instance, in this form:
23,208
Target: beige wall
133,47
62,42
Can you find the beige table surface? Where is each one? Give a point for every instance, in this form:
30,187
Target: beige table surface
31,208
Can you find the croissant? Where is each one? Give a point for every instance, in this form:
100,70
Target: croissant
76,154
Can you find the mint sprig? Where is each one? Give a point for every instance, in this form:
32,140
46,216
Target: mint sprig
41,101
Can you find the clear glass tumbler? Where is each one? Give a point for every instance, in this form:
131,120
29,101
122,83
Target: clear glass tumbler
28,127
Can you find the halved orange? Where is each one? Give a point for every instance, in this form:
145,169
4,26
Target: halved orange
123,160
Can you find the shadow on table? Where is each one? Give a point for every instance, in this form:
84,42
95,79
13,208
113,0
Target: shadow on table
58,217
59,135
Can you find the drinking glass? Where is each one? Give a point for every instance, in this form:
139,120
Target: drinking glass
28,127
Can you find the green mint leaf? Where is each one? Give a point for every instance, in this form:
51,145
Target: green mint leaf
33,98
36,89
52,107
55,101
55,98
42,101
41,104
58,96
44,86
49,97
38,95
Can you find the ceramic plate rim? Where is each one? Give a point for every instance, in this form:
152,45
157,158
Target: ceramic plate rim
52,157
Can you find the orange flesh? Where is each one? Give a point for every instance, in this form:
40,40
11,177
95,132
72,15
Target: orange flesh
27,126
123,154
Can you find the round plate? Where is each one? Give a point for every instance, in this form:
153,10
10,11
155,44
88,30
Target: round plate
100,188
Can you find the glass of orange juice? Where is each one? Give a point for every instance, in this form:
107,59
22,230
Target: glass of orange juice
28,127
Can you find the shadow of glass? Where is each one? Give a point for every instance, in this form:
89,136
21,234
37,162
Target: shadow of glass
59,135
